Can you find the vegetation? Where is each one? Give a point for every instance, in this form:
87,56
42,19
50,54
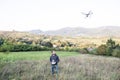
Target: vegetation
116,52
15,37
80,67
18,63
18,41
110,49
37,55
101,50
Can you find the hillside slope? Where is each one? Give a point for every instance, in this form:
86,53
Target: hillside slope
79,31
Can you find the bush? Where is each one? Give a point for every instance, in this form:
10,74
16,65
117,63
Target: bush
94,51
6,48
116,52
101,50
47,44
84,51
109,51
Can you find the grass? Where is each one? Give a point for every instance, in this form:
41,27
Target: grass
40,55
74,67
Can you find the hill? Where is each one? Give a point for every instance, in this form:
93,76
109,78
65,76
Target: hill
58,39
108,31
79,31
36,31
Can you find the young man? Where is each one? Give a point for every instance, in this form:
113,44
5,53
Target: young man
54,59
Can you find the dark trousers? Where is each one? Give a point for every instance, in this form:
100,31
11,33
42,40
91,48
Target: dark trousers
54,68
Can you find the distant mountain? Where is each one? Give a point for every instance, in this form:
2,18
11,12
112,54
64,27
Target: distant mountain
68,31
36,31
80,31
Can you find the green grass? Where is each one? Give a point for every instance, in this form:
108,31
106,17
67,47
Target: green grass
72,66
6,58
40,55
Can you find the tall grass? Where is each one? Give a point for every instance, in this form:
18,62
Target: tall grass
81,67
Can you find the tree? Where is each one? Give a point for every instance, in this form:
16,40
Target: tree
1,41
110,49
102,50
110,43
110,46
47,44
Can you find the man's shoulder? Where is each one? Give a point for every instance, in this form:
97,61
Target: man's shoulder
57,55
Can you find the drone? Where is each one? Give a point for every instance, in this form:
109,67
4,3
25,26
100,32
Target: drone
87,14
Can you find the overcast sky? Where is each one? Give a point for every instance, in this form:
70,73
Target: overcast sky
55,14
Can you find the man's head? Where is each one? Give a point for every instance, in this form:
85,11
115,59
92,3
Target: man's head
53,52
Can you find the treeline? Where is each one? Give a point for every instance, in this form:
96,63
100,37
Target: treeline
18,48
7,45
108,49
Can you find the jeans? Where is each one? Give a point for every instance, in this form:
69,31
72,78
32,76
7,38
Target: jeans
54,68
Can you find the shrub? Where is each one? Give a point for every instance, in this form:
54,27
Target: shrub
66,48
94,51
47,44
101,50
6,48
84,51
109,51
116,52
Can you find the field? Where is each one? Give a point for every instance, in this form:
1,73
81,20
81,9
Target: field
72,66
38,55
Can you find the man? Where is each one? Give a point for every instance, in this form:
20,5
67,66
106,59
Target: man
54,59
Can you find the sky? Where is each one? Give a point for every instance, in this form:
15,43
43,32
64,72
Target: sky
24,15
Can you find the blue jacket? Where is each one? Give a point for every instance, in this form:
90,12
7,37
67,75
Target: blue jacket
55,58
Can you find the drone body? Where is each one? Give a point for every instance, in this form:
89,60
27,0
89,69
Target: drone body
87,14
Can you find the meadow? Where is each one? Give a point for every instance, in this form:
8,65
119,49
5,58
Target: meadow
37,55
72,66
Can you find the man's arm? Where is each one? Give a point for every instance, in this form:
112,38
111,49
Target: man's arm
58,59
50,59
